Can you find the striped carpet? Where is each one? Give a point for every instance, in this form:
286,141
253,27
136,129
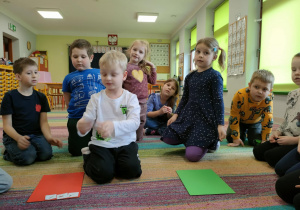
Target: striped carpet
159,187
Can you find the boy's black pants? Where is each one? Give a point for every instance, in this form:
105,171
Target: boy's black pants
103,164
249,131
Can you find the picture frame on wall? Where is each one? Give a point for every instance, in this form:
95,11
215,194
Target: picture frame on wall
160,56
180,66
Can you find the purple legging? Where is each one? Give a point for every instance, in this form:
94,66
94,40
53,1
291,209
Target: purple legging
192,153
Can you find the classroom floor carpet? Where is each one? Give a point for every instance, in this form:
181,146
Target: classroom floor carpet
159,187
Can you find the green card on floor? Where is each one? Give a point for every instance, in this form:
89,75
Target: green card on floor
203,182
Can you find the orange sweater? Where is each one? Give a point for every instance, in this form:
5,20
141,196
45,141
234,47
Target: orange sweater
244,110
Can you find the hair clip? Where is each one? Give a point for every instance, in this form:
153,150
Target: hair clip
215,49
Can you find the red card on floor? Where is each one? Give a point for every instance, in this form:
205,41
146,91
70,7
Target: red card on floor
58,186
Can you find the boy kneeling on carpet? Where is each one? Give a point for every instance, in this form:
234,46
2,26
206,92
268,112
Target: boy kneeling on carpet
251,114
26,132
114,116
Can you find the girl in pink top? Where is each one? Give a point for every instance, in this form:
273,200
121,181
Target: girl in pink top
140,72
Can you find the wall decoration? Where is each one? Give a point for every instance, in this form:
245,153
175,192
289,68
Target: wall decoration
160,56
180,66
104,49
112,39
28,45
237,47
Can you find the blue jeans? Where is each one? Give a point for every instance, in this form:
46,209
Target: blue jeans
39,149
290,162
155,124
5,181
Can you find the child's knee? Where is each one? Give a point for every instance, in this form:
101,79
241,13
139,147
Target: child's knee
103,177
46,155
99,174
193,157
6,181
130,171
194,153
258,153
25,158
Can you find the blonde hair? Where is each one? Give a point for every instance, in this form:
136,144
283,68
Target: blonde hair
213,44
172,99
142,63
114,57
264,76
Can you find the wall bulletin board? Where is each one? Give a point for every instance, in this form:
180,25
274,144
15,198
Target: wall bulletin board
237,33
160,56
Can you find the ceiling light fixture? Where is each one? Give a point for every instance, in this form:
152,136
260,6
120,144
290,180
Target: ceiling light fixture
146,17
50,13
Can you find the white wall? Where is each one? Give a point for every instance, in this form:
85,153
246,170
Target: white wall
251,9
204,22
19,37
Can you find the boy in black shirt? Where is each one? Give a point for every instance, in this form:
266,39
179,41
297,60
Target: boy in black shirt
26,132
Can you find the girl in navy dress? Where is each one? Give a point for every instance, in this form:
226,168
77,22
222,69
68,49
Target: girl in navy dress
160,108
198,122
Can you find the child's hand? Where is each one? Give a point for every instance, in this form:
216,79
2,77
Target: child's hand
105,129
169,110
236,143
23,142
165,109
222,133
172,119
274,136
150,64
287,140
55,142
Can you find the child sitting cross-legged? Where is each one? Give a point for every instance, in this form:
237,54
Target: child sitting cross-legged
285,138
114,116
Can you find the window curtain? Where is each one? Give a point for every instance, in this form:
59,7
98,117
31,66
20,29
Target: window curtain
280,40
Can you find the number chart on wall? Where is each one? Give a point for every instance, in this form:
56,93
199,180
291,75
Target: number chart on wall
160,56
237,47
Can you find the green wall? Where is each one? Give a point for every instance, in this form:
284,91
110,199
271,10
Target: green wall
57,50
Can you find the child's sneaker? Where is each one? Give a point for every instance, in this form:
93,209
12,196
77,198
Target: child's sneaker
217,147
85,151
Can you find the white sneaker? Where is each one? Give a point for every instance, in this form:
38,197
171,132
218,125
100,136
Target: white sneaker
217,147
85,151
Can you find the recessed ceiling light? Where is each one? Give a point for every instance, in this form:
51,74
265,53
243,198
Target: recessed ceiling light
147,17
51,14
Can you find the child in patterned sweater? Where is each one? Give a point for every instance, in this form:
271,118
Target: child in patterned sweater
251,114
